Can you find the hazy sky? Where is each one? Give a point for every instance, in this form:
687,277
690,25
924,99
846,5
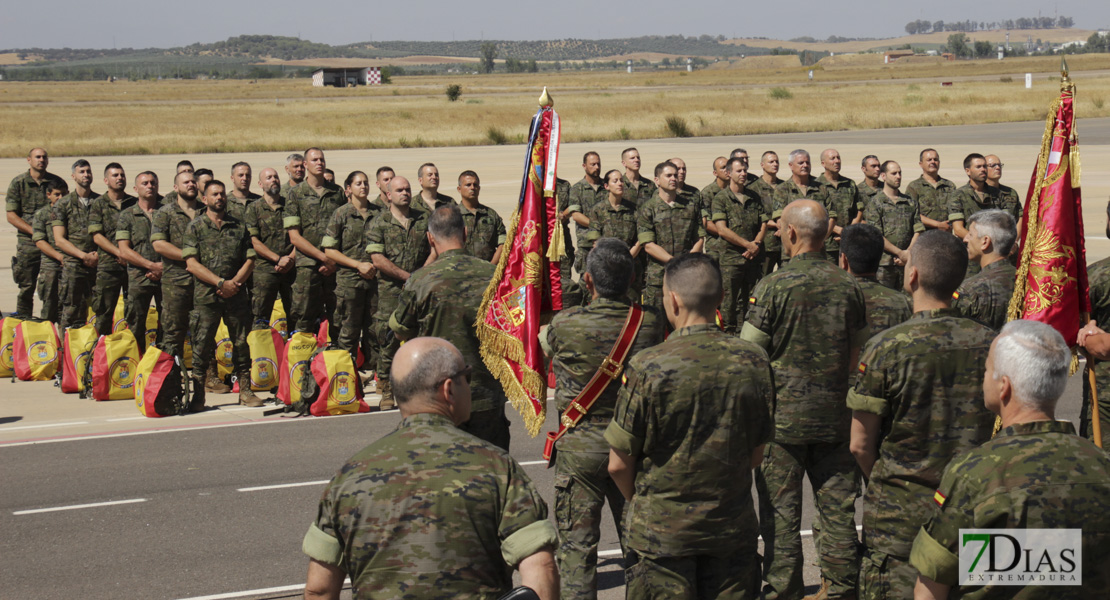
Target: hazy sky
141,24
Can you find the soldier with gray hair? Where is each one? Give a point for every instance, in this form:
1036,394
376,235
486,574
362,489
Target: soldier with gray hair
985,296
800,184
1034,474
294,167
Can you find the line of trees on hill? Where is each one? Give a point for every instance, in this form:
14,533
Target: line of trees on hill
922,26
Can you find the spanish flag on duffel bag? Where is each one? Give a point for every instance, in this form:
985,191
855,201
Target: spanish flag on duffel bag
119,315
278,319
225,351
294,362
337,389
77,347
151,326
115,364
157,384
7,345
266,346
35,353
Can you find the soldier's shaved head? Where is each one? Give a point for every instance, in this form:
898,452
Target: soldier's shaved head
938,262
446,225
696,279
422,368
808,218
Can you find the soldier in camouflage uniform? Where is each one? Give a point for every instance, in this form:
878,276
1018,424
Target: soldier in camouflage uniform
50,265
356,290
1034,474
70,221
167,236
308,207
589,191
240,197
442,300
382,177
861,249
896,215
26,195
429,197
706,195
742,224
616,218
811,318
637,189
985,297
578,341
800,184
111,270
429,511
145,269
485,230
994,179
977,196
669,225
295,169
275,266
397,243
870,184
845,200
690,424
765,186
932,192
916,404
1092,339
220,257
572,294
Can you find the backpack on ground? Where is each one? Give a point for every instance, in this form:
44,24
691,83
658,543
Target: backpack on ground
115,364
331,385
158,384
35,352
7,345
77,348
294,363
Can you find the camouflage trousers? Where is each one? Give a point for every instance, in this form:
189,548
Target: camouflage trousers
732,575
109,285
891,276
489,425
582,485
235,312
176,316
354,312
388,344
886,577
25,272
572,290
1086,415
75,294
313,299
268,287
738,282
139,297
50,286
833,476
653,296
772,259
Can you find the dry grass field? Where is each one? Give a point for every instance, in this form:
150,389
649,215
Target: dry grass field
995,35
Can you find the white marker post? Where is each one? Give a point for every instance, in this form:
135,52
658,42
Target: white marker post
1028,81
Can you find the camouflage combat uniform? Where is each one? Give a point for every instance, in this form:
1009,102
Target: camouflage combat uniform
111,277
866,192
77,279
1098,275
898,220
924,379
572,293
24,198
809,315
693,411
135,225
743,215
846,202
583,197
985,297
420,205
266,224
577,341
772,245
675,228
223,250
932,200
712,241
50,270
965,202
313,293
789,191
620,223
168,224
237,207
641,192
1037,475
885,307
442,300
485,231
430,512
355,297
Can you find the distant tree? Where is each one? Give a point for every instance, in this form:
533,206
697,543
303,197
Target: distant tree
666,62
489,55
938,26
911,27
983,49
533,67
957,44
1065,22
454,91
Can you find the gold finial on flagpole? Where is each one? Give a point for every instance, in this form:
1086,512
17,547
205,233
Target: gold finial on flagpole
1065,80
545,99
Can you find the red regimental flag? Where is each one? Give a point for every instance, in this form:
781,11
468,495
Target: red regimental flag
527,281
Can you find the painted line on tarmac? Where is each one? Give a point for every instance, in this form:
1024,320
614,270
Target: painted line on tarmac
533,462
77,506
126,419
24,427
260,591
281,485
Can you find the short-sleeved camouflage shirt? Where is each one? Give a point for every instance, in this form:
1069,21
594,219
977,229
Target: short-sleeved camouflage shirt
42,227
583,196
845,202
73,214
310,212
135,225
346,232
103,218
420,205
674,227
222,249
897,219
924,378
743,215
985,296
766,192
885,307
169,224
789,191
1009,194
641,192
25,196
266,223
237,207
966,202
562,201
867,192
406,247
809,315
485,231
618,222
932,200
693,410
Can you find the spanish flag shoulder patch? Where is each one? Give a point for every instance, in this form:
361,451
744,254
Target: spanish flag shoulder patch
939,498
751,300
863,367
955,295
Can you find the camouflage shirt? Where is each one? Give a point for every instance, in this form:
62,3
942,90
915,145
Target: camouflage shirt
485,231
420,205
73,214
405,247
692,412
924,378
674,227
442,300
885,307
898,220
346,232
222,249
25,197
867,192
169,224
42,226
789,191
583,196
135,226
562,201
845,201
744,216
237,207
1008,194
932,201
310,212
641,194
766,192
103,218
431,512
1098,275
578,341
966,202
606,221
1031,475
985,296
268,225
809,315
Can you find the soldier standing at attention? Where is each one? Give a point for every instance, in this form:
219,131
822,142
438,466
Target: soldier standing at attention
584,195
742,225
932,192
275,266
706,195
572,295
1035,473
111,269
26,195
308,207
861,249
985,296
689,426
397,242
765,186
844,199
994,179
915,406
977,196
167,236
183,165
485,231
637,189
683,187
616,218
144,270
50,265
442,300
897,217
811,318
669,225
241,195
71,234
294,168
1094,340
429,198
579,341
800,185
219,256
870,184
382,177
